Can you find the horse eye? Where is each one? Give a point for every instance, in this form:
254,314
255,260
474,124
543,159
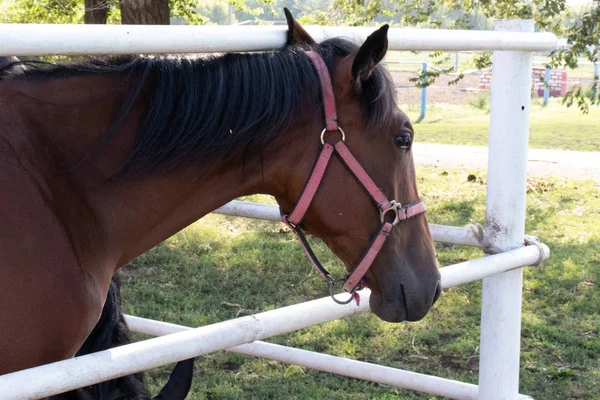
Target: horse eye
403,141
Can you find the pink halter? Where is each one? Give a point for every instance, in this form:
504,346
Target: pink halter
353,282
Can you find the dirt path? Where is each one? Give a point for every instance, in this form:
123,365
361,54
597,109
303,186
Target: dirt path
570,164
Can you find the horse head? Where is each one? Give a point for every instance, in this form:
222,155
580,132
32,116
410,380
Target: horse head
347,210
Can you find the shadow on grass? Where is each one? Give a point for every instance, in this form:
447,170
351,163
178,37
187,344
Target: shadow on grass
248,274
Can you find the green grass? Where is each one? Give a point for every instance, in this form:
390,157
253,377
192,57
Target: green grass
220,268
552,127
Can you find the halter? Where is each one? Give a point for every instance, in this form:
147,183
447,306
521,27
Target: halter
353,282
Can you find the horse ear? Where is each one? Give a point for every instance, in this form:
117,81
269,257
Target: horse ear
296,33
370,54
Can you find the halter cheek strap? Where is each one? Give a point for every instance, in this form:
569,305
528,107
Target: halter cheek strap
294,219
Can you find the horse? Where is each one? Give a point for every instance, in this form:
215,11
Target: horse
103,159
11,63
112,331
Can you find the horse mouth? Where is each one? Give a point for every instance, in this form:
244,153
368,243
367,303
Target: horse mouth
399,308
438,293
389,311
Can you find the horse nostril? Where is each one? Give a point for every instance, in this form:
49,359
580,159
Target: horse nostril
438,292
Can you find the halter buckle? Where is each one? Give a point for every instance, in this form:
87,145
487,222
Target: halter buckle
352,293
325,130
395,207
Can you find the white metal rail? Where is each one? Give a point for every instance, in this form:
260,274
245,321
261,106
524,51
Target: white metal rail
440,233
39,40
62,376
335,365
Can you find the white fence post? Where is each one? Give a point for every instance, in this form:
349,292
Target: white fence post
505,217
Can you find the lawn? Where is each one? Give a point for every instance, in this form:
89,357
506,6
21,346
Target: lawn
220,268
552,127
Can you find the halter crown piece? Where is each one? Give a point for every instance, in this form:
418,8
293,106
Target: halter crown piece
352,282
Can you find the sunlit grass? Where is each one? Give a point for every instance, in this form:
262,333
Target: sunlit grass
551,127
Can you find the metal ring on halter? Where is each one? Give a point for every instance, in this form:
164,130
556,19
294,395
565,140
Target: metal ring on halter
393,207
325,130
331,287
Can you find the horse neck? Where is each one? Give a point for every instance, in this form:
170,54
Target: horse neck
130,216
108,221
153,208
141,213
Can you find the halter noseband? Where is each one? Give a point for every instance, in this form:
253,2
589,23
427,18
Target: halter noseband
293,220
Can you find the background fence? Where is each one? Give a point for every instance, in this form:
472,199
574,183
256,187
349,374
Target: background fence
474,87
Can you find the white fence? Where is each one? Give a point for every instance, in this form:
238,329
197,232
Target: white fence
512,43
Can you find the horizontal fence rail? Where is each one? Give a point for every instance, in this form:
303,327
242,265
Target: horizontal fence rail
336,365
440,233
62,376
56,39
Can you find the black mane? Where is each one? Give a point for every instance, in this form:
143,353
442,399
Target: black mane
219,108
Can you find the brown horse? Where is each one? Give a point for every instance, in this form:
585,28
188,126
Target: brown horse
112,331
101,161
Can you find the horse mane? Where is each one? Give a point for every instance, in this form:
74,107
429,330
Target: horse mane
220,107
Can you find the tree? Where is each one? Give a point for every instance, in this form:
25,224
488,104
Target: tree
44,12
583,35
145,12
551,15
96,11
583,39
215,13
99,11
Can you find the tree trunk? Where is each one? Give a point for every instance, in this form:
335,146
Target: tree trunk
145,12
96,11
